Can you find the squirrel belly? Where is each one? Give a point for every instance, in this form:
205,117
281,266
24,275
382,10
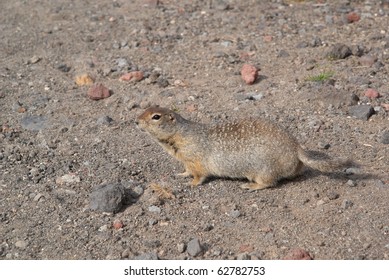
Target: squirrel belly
255,149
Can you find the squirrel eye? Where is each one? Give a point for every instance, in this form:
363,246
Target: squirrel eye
156,117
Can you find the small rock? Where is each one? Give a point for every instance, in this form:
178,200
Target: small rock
323,145
243,256
134,76
367,60
155,209
104,120
107,197
320,202
254,96
117,224
21,244
34,123
63,67
84,79
249,73
98,91
353,170
385,137
357,50
235,214
362,112
371,93
351,183
181,248
162,82
283,53
352,17
68,179
193,247
103,228
385,106
39,197
346,204
332,195
137,191
152,222
34,59
122,63
297,254
147,257
339,51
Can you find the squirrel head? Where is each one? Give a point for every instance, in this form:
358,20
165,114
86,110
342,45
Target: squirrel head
160,123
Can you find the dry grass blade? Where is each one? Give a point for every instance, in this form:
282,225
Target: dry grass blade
163,193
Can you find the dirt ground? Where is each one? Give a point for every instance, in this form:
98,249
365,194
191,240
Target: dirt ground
57,145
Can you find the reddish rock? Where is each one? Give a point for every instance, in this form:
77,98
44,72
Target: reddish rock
385,106
367,60
117,224
372,93
268,38
352,17
297,254
134,76
249,73
98,91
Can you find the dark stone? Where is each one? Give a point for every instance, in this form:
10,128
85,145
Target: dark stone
362,112
107,198
339,51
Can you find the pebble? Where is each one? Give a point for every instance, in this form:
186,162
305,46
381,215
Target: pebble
84,79
332,195
357,50
152,222
351,183
181,247
323,145
134,76
162,82
367,60
147,256
297,254
385,106
63,67
346,204
254,96
137,191
235,214
21,244
243,256
249,73
362,112
98,91
193,247
104,120
122,63
117,224
34,59
107,197
385,137
372,93
34,123
339,51
154,209
68,179
352,17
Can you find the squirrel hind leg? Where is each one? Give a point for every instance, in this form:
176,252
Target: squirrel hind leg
259,183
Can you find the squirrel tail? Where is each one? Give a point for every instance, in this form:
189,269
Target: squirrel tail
322,162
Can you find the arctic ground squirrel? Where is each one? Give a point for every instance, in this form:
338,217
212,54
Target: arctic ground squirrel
256,149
